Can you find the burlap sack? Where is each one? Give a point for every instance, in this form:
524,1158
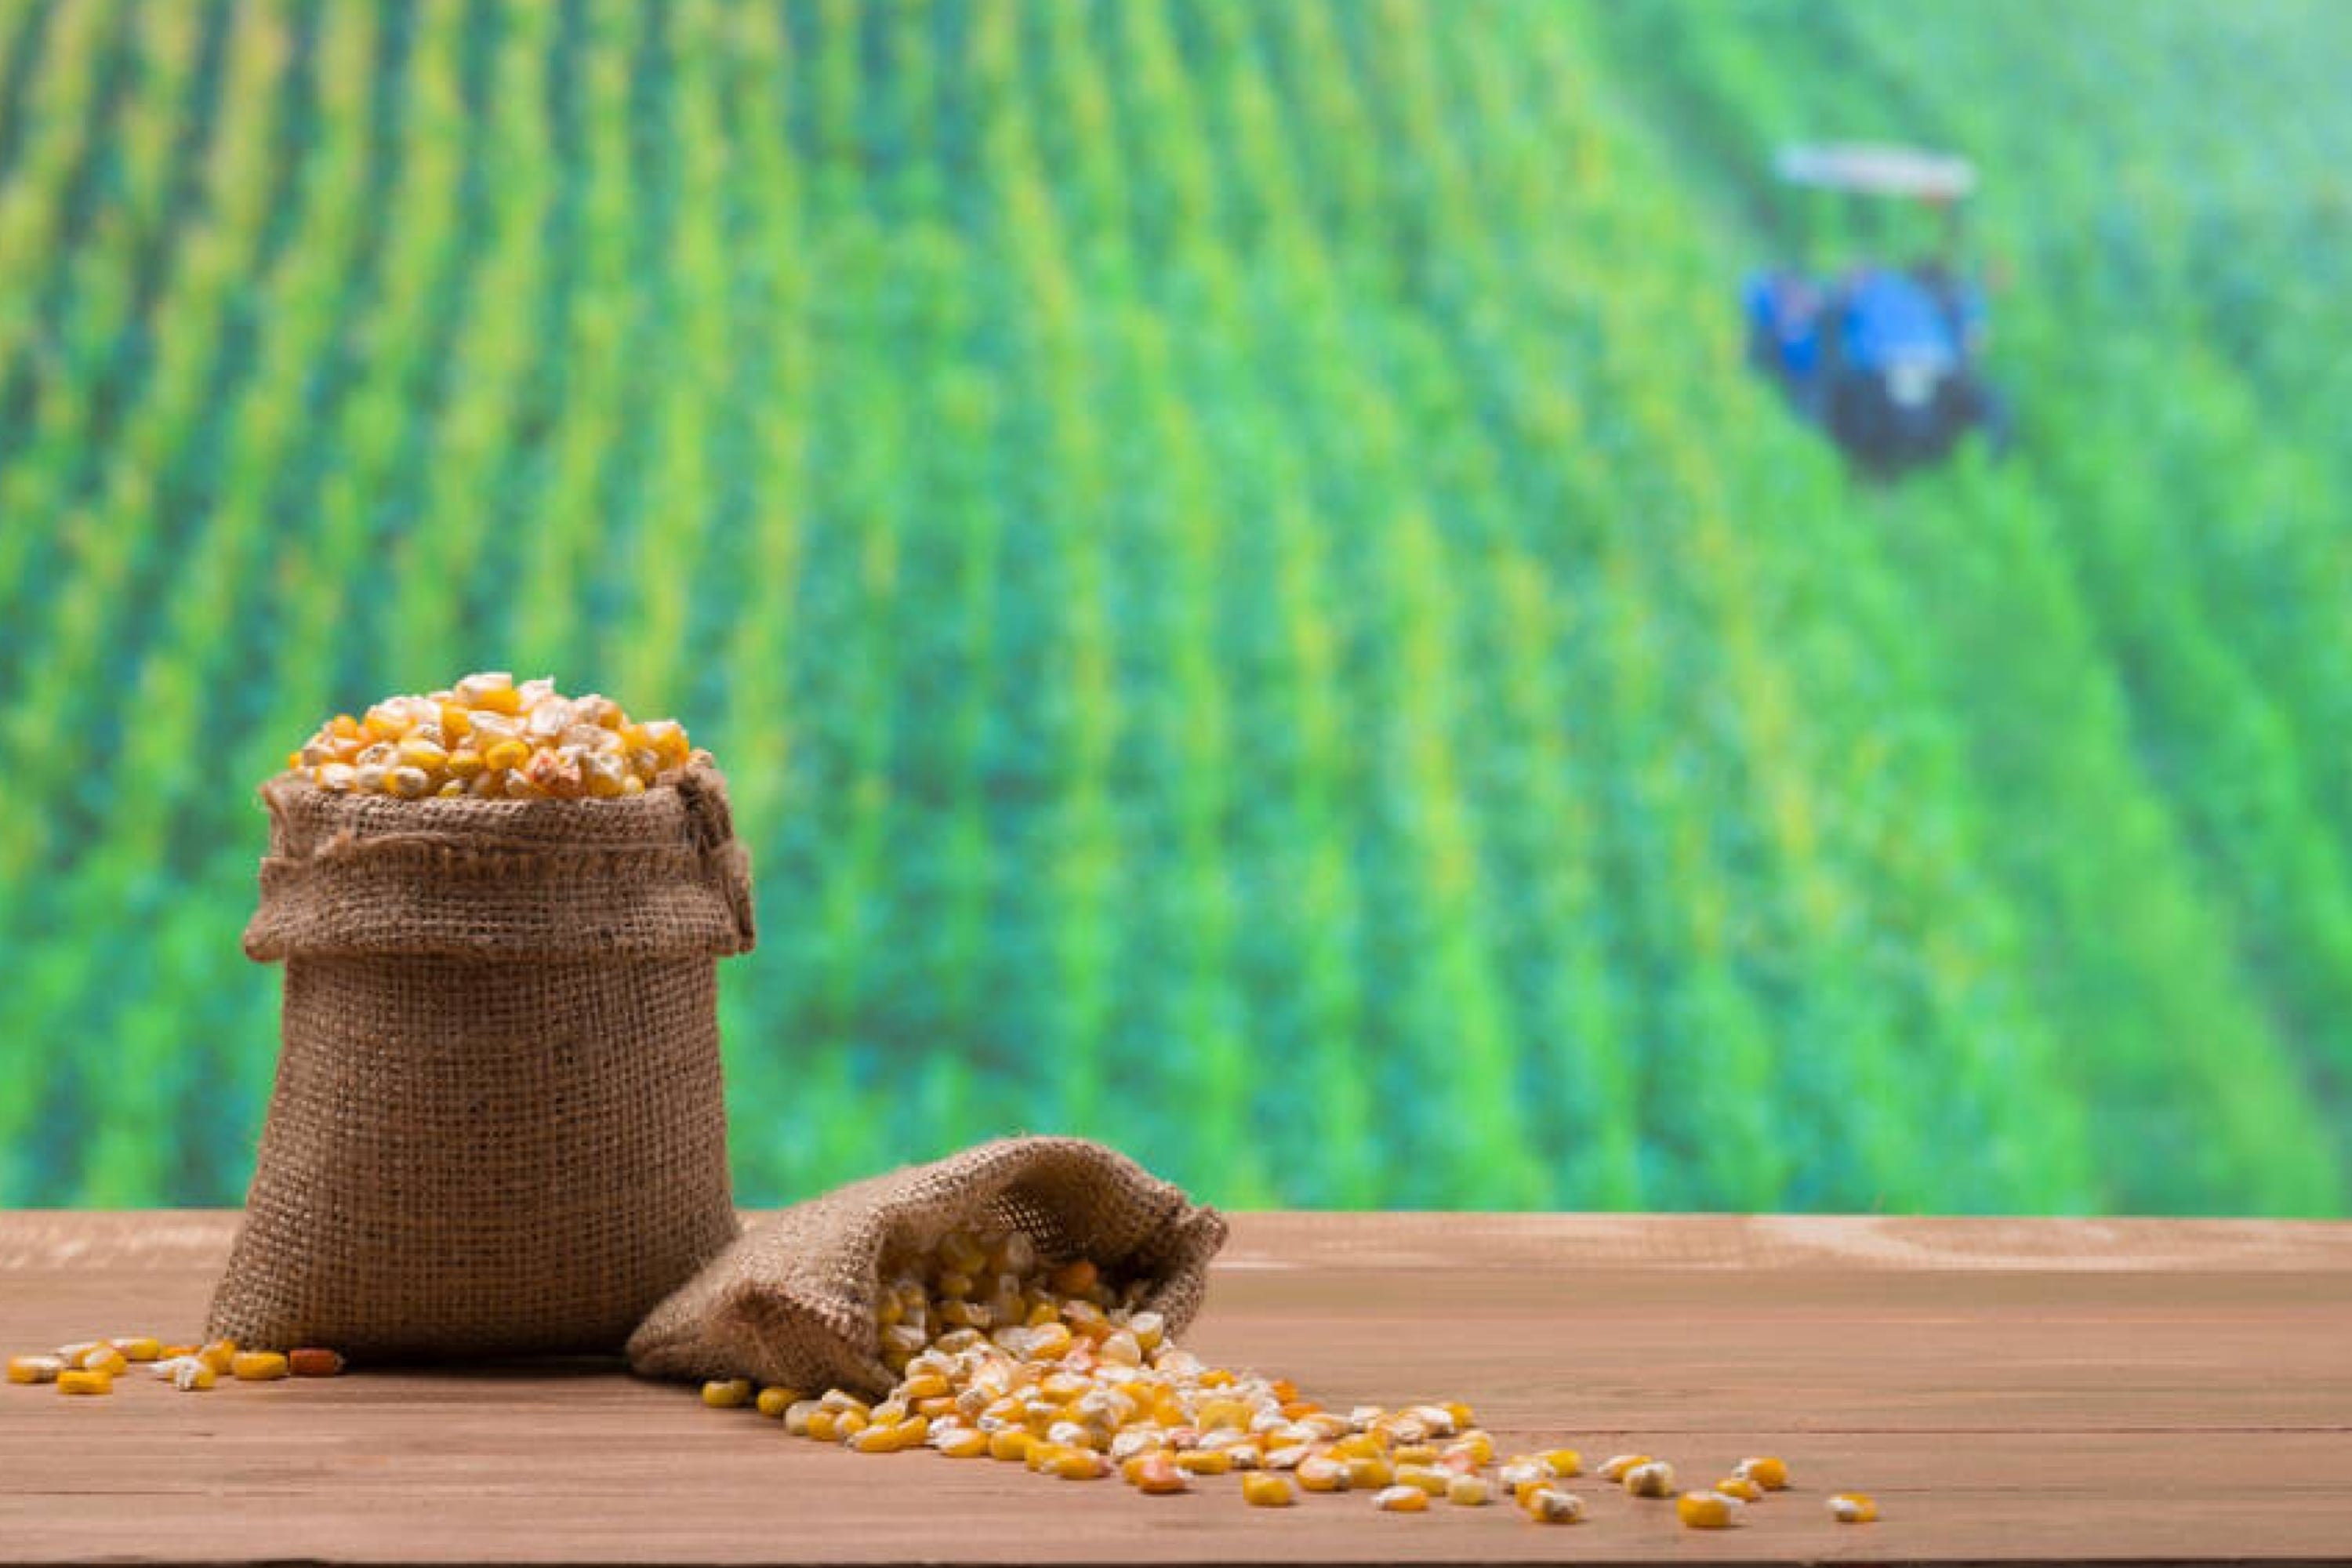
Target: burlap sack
499,1126
793,1301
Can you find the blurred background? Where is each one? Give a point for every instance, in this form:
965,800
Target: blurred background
1240,564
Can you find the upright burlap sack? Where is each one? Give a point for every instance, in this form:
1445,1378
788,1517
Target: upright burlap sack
499,1126
793,1301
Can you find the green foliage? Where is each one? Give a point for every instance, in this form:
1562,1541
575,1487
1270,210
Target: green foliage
1250,605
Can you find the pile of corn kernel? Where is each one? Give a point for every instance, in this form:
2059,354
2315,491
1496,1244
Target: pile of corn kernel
491,739
1000,1355
90,1366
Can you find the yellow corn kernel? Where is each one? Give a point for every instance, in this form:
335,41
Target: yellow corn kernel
1368,1474
1562,1463
964,1442
727,1394
775,1400
1463,1417
887,1437
1075,1465
927,1385
1852,1508
1010,1443
1413,1454
1655,1479
506,755
503,699
218,1355
848,1423
1469,1491
1206,1461
456,720
823,1424
1265,1489
1400,1499
257,1366
932,1409
466,763
1706,1510
1150,1329
103,1357
1322,1473
1739,1486
85,1380
1614,1467
1217,1413
1524,1488
173,1353
1423,1478
34,1368
1357,1446
192,1376
1075,1277
139,1347
1549,1505
1160,1474
1766,1471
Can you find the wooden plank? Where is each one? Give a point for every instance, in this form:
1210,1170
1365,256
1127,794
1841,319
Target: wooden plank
2136,1391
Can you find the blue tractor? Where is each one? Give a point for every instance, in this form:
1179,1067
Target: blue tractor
1887,359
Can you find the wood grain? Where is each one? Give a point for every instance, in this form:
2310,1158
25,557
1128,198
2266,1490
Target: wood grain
2118,1391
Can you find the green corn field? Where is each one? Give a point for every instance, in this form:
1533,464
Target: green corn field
1249,601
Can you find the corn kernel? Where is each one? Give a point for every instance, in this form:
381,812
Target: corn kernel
727,1394
821,1426
1468,1491
1562,1463
1766,1471
190,1375
1614,1467
1075,1465
1549,1505
257,1366
1206,1461
1321,1473
104,1358
1852,1508
139,1347
1427,1478
219,1353
1264,1488
1400,1499
34,1368
1010,1443
775,1400
964,1442
1706,1510
85,1380
1161,1475
173,1352
1655,1479
1739,1486
314,1361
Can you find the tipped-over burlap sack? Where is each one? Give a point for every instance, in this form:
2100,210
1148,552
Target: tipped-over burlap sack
793,1301
499,1126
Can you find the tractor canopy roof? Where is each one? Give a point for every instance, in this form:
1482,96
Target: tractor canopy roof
1869,169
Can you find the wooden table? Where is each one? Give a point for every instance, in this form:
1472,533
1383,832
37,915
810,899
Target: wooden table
2137,1391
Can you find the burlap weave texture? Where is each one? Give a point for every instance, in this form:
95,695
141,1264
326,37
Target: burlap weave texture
499,1125
793,1301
